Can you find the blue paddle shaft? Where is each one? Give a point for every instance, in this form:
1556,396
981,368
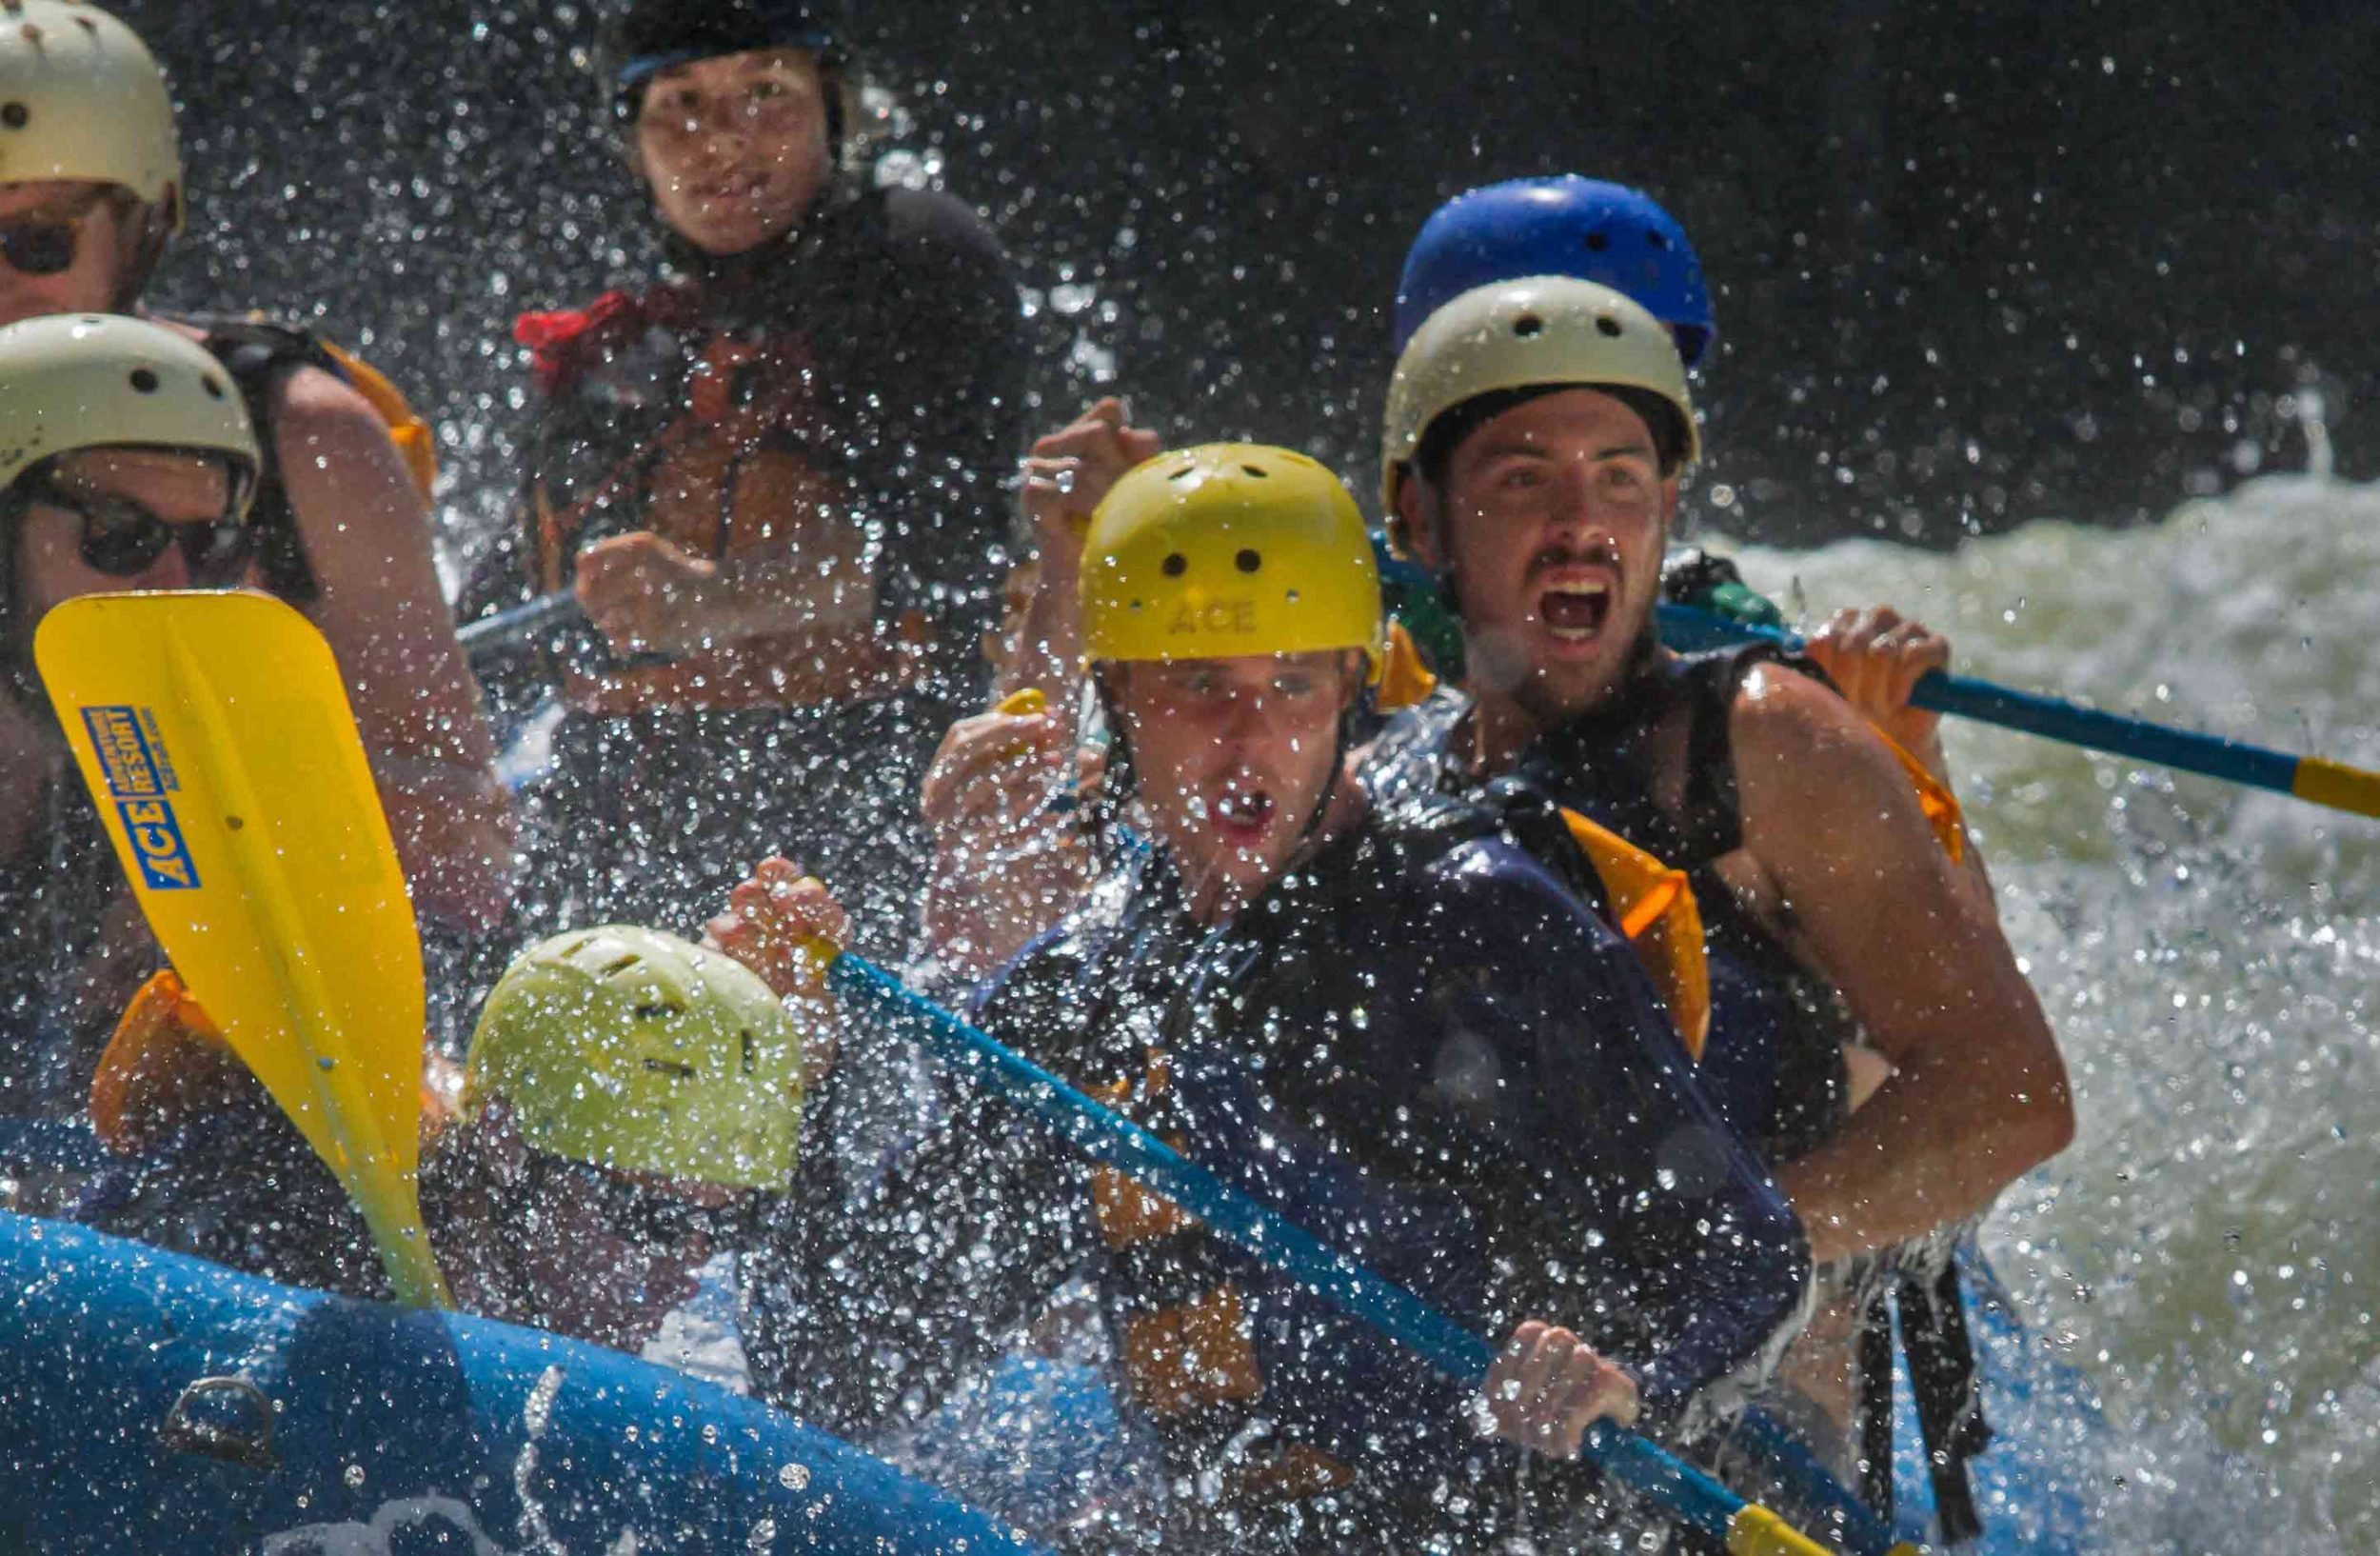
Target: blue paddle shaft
1682,626
509,626
1108,1137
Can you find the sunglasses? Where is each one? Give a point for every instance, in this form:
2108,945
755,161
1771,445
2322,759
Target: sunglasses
640,1215
43,243
123,537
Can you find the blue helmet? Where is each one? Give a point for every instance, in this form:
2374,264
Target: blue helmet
1568,226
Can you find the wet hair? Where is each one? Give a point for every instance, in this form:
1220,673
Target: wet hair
1454,427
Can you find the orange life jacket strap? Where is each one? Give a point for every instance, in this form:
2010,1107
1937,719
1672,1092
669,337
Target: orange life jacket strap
1656,911
1405,681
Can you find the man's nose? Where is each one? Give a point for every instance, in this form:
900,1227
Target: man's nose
1575,517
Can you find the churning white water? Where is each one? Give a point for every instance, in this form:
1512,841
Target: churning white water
2208,1253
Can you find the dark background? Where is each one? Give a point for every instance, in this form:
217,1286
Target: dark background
1975,264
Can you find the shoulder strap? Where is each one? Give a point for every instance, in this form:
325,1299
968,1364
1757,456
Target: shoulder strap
257,354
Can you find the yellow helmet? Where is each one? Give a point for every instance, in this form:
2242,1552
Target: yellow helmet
634,1050
1538,331
72,381
1227,550
81,98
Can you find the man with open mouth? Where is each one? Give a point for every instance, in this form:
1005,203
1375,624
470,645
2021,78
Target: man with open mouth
1413,1040
1536,431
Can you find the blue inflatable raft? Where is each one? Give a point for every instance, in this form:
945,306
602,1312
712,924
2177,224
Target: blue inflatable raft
159,1404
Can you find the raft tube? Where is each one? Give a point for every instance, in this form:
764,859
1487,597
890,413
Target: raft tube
161,1404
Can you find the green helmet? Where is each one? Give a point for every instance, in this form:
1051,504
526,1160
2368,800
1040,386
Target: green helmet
637,1051
81,99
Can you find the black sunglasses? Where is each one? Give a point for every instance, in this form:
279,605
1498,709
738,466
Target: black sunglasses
43,243
640,1215
122,536
38,245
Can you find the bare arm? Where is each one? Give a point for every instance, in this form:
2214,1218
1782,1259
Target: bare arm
1979,1095
367,538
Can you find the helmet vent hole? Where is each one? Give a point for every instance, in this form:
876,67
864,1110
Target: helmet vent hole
618,963
658,1011
1248,560
214,387
1528,327
1658,240
15,115
1291,596
1597,242
1257,470
1183,474
144,380
1606,324
1176,565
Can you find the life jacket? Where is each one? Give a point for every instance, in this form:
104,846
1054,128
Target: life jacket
724,460
168,1063
1651,903
259,356
1206,1338
1774,1057
1261,1051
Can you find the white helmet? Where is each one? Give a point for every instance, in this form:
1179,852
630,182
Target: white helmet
72,381
1542,330
81,98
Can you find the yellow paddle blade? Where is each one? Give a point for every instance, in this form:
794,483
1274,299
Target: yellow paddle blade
214,732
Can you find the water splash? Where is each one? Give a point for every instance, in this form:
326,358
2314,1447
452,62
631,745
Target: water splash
2211,958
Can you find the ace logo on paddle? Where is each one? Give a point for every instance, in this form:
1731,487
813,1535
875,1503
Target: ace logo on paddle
140,775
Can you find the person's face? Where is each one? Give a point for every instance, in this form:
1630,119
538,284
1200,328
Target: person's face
104,521
1232,757
605,1256
39,221
1553,518
735,148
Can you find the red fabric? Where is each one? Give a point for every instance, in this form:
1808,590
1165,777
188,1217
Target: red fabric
556,339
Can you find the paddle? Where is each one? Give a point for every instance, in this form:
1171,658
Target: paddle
490,635
214,732
1748,1528
2308,778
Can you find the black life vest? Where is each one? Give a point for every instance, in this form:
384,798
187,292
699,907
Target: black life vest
1778,1028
